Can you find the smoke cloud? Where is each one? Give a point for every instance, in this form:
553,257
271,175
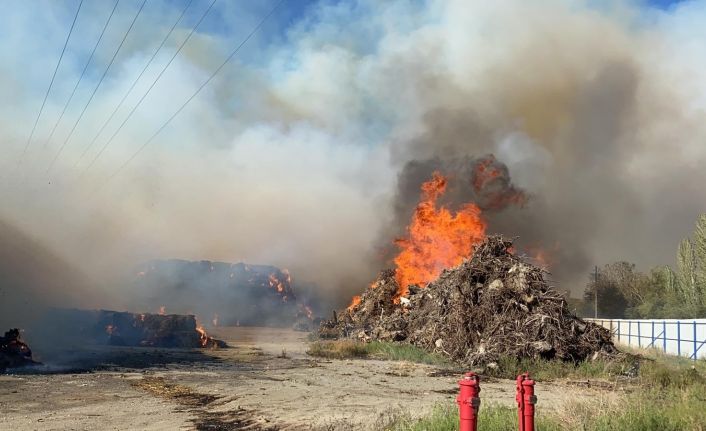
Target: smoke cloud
297,155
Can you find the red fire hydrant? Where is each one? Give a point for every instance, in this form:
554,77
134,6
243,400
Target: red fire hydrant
526,399
468,402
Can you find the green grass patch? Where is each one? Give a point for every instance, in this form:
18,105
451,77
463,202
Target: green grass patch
667,394
347,349
340,349
490,418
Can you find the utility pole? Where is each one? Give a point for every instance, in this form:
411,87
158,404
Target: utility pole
595,293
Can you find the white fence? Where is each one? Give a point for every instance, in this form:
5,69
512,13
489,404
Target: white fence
683,337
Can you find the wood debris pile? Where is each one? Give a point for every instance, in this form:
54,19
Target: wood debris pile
490,306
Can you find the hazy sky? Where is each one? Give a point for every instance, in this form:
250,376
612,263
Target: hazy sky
290,156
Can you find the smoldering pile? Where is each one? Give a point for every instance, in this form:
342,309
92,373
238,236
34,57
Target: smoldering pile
490,306
120,328
14,352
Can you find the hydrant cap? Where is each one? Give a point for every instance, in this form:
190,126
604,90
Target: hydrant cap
469,379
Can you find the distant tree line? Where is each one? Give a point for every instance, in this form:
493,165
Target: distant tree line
663,292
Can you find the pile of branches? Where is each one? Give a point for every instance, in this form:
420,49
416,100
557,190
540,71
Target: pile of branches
13,351
492,305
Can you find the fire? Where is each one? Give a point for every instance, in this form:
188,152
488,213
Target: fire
491,182
111,329
202,335
281,282
306,310
544,257
354,303
162,310
437,238
275,283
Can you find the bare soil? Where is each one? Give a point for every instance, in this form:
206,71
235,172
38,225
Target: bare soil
265,381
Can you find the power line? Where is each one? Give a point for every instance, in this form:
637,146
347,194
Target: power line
139,102
96,88
83,73
215,72
129,91
51,83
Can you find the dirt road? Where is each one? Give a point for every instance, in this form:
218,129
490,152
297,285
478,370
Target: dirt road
265,381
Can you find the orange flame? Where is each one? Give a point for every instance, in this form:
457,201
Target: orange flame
203,336
545,258
307,310
354,303
437,239
162,310
275,283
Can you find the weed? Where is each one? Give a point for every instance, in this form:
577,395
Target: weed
347,349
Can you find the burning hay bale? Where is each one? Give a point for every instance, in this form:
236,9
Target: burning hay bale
120,328
490,306
13,351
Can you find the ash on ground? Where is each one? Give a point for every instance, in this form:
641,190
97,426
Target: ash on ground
490,306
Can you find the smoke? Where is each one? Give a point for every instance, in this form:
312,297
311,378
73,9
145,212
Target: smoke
295,155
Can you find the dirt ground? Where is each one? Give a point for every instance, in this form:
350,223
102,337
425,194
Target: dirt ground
265,381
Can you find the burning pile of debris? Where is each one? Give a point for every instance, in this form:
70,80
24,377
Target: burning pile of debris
231,294
13,351
120,328
491,305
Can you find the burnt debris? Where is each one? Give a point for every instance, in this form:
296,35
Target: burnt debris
119,328
240,294
490,306
14,352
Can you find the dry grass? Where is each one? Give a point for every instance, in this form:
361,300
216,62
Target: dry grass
179,393
348,349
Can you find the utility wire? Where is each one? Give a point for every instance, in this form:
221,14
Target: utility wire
51,83
83,73
215,72
139,102
96,88
129,91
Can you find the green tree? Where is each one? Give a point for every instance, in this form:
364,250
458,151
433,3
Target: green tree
686,272
699,252
612,302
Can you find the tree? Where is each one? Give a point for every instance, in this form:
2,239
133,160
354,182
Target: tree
699,252
612,302
686,270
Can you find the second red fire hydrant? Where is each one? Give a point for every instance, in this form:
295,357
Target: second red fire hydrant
468,402
525,402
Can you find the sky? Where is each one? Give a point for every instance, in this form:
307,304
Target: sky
291,155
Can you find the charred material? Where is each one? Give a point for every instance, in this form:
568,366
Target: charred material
14,352
240,294
490,306
119,328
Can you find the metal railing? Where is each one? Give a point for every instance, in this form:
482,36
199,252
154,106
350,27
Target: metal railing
683,337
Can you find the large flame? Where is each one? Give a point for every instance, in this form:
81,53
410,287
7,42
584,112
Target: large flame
437,238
